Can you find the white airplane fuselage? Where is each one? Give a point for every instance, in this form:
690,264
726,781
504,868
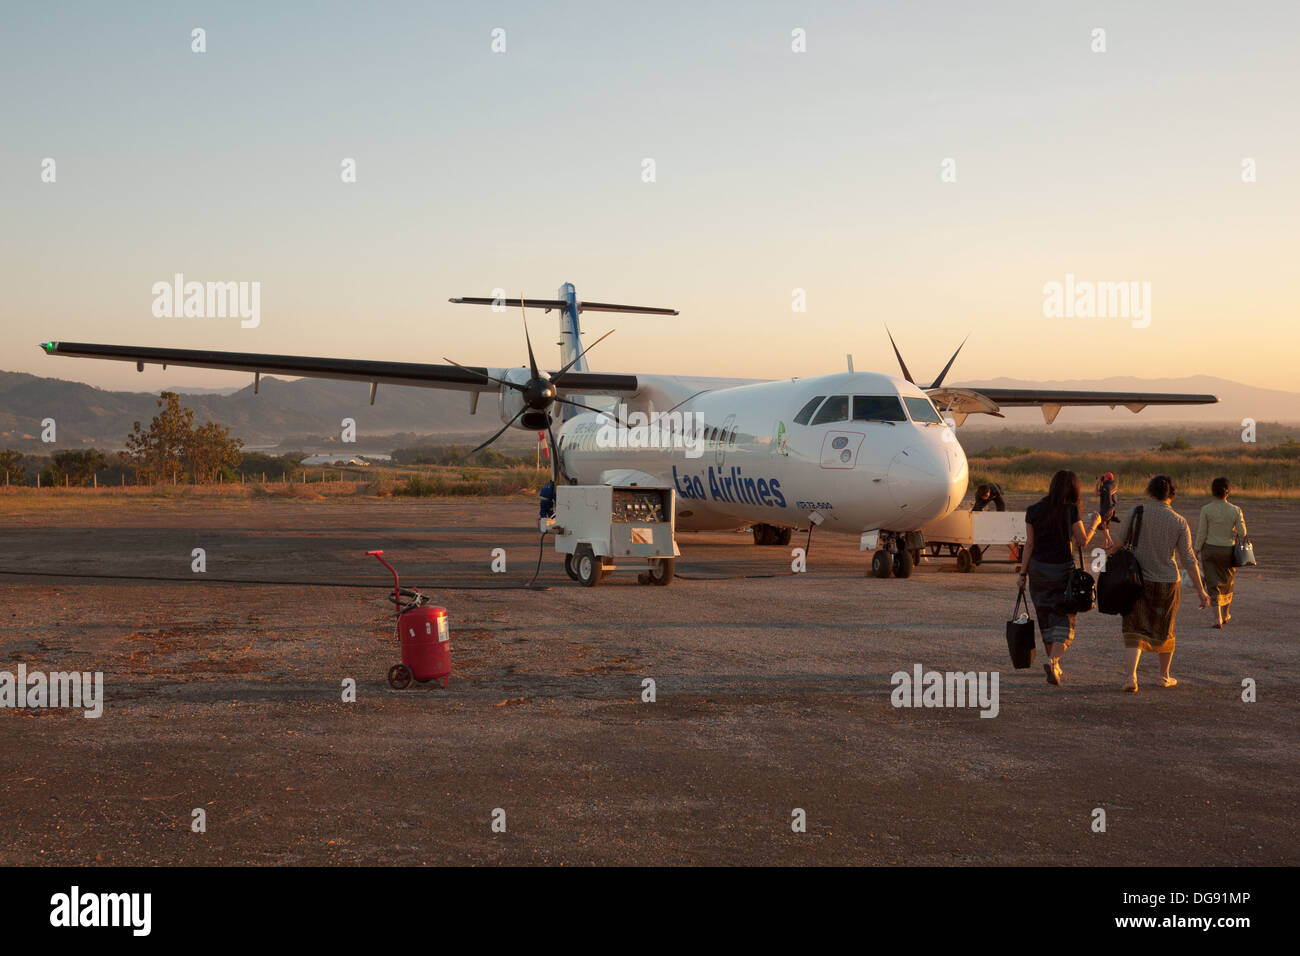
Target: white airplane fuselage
760,465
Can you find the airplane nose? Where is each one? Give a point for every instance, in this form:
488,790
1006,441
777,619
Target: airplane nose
928,481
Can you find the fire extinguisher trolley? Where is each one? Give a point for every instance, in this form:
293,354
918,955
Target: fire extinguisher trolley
422,633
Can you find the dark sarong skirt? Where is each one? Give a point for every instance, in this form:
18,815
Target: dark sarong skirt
1047,591
1150,625
1217,569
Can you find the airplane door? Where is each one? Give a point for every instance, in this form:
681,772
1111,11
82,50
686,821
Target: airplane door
720,456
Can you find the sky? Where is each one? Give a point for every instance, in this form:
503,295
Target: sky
774,170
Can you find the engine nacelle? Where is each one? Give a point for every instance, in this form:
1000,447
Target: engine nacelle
511,400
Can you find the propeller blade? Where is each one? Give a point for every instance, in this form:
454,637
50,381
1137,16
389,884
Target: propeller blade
901,364
598,411
584,352
532,362
939,381
499,381
501,432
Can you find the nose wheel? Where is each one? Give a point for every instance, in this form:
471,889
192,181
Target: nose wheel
898,556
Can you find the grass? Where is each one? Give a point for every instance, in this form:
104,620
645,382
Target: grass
1255,472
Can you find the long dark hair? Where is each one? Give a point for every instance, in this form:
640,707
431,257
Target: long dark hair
1064,492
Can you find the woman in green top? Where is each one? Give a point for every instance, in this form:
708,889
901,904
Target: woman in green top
1222,525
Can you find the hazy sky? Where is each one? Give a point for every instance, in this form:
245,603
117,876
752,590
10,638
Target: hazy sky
775,170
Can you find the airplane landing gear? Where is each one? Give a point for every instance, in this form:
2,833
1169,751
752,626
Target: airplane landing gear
882,565
903,564
766,534
899,554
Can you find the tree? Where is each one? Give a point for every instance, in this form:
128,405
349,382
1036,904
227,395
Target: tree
211,449
74,467
11,463
158,453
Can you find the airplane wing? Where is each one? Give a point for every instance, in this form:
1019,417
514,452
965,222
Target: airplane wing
461,378
960,402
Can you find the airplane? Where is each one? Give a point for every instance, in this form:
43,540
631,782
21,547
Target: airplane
861,453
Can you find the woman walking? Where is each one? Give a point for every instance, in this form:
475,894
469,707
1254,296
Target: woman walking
1221,526
1052,526
1164,544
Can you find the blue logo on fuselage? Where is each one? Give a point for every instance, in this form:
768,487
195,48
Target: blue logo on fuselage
731,486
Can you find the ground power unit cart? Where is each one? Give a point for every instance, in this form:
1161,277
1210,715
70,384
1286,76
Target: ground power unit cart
602,528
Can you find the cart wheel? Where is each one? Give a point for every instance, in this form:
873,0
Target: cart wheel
399,677
903,564
976,554
569,569
589,567
964,562
662,571
882,564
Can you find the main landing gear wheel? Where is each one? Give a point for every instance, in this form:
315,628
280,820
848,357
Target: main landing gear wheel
399,677
662,571
589,567
569,569
903,564
964,560
882,564
766,534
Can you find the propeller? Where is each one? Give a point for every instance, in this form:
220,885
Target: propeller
908,375
539,393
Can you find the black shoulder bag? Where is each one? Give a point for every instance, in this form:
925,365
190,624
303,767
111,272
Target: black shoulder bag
1120,584
1080,588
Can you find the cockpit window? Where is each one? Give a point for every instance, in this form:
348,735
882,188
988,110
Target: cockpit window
805,413
922,411
877,408
836,409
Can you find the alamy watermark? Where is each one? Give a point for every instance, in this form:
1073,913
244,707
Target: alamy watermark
1086,299
77,690
665,430
208,300
922,688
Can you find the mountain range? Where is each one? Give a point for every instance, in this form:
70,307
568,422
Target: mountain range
309,411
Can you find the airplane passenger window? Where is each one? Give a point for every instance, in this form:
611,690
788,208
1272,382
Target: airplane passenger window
877,408
806,412
836,409
922,411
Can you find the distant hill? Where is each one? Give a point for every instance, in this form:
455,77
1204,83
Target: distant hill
304,408
307,412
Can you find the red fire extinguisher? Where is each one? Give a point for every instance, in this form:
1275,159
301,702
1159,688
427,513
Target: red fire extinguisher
422,631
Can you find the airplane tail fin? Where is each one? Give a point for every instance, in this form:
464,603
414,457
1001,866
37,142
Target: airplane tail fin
570,308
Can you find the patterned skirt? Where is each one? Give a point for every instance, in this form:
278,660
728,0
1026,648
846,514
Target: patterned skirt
1150,625
1218,571
1047,591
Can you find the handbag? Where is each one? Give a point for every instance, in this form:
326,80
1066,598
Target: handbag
1120,584
1020,634
1243,554
1080,589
